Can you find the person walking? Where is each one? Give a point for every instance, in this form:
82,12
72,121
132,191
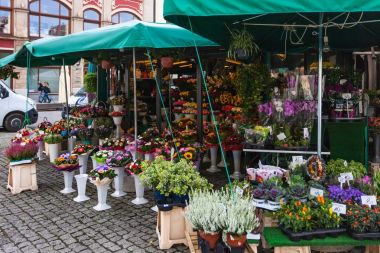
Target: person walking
40,89
46,91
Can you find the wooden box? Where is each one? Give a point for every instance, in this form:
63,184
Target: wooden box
22,177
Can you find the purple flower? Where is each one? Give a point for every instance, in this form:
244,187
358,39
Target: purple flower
119,158
366,179
343,195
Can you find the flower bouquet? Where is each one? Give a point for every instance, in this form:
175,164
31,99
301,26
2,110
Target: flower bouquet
147,147
119,100
134,167
86,112
66,162
103,132
150,134
81,149
233,142
189,153
188,136
257,136
211,139
119,159
316,168
102,155
84,133
21,152
44,125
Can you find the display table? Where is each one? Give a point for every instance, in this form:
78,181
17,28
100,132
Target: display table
282,244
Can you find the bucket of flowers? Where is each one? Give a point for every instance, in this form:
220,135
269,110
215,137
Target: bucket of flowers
21,152
117,117
102,176
83,151
118,103
102,155
147,148
84,133
67,163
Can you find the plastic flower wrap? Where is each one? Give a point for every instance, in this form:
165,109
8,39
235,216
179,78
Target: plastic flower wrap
103,132
66,162
84,133
257,136
81,149
147,147
119,159
44,125
101,175
233,142
102,155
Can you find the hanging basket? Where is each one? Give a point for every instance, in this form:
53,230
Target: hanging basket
167,62
106,64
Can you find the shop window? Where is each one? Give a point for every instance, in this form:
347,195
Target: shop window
48,18
91,19
50,75
122,17
5,16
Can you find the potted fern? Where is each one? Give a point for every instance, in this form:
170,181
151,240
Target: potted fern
242,45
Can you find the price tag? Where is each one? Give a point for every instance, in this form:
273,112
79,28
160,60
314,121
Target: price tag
239,191
369,200
297,159
281,136
347,176
316,192
306,133
339,208
341,180
270,130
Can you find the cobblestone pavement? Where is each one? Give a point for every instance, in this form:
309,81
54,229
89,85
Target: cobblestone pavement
48,221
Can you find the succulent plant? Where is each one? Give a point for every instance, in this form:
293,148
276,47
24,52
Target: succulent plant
258,193
298,191
275,194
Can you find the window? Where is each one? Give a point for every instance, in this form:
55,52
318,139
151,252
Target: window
122,17
48,18
5,16
50,75
91,19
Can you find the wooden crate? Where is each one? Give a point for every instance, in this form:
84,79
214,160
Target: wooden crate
22,177
171,228
296,249
372,249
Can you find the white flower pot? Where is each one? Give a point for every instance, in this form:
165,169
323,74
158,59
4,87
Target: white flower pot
117,120
129,184
53,151
119,182
221,163
139,200
102,197
68,179
214,152
94,162
206,158
149,156
71,143
274,204
259,201
40,150
118,108
83,160
237,159
81,185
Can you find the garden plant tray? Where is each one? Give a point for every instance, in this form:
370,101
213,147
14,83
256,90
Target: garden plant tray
365,236
309,235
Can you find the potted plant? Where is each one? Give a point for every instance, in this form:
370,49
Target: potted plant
275,195
363,222
211,141
84,133
118,103
242,45
21,152
103,132
259,195
134,169
118,161
83,151
148,149
335,167
240,219
117,119
102,155
53,140
90,85
102,176
344,195
67,163
298,191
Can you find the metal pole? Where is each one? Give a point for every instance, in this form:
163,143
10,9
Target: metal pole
66,95
158,101
135,98
320,59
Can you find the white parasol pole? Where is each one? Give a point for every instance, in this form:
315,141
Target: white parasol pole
320,62
66,95
135,98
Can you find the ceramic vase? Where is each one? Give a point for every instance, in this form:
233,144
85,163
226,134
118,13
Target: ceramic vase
53,151
81,185
139,187
102,197
119,182
149,156
237,159
214,152
71,143
118,108
68,179
83,160
40,150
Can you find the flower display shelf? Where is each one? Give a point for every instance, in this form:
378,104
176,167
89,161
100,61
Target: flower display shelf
309,235
22,177
171,228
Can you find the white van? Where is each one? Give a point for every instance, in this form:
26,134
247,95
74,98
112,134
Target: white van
13,107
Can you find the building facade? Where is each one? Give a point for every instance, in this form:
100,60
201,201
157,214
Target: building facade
27,20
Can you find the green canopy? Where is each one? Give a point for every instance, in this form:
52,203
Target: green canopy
86,44
267,20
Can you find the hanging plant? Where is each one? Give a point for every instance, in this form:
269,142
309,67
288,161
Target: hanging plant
8,71
242,45
167,56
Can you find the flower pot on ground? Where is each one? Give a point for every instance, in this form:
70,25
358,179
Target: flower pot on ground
81,184
237,158
67,164
102,176
71,143
53,141
139,187
236,241
83,152
363,223
118,161
211,237
53,151
101,156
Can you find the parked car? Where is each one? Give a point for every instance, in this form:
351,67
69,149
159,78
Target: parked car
79,98
13,107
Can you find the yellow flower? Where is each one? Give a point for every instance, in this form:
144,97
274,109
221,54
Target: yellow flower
188,156
330,211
